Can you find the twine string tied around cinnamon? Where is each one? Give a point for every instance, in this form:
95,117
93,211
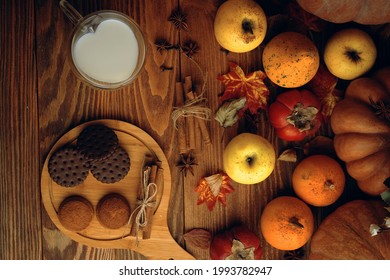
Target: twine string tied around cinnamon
192,108
147,201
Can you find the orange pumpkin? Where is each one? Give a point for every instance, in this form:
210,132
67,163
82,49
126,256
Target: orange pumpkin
290,59
345,233
361,124
339,11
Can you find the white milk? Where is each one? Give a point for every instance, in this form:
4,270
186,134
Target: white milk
110,54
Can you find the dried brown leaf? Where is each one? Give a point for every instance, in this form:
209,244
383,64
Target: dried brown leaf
383,30
198,237
319,145
276,24
309,20
289,155
324,85
227,114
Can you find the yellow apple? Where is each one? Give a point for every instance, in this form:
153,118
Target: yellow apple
248,158
349,53
240,25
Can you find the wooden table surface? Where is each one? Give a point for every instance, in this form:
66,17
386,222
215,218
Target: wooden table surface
41,99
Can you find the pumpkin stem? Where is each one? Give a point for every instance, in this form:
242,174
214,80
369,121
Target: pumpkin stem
329,184
382,110
302,117
295,222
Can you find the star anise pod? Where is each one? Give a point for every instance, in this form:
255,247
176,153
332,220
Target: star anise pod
162,45
382,109
179,20
190,48
186,164
297,254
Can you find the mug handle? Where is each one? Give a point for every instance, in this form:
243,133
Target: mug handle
71,13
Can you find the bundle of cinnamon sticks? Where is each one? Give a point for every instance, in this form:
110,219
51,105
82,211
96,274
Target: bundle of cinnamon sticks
153,181
192,129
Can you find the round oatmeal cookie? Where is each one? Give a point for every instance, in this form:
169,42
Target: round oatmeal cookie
113,211
113,168
75,213
97,142
68,167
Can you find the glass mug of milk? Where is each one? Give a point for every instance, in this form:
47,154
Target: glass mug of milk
107,48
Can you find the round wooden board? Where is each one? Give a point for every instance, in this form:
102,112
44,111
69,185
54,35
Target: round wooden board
142,149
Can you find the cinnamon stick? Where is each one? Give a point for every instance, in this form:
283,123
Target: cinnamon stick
198,136
187,84
202,124
181,123
179,88
140,197
191,126
159,181
204,131
149,210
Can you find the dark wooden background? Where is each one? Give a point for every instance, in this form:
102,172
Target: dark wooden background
41,99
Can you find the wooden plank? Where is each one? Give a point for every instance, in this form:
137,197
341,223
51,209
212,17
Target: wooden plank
145,103
41,99
20,214
213,61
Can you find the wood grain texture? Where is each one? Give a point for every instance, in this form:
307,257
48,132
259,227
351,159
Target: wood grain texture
145,103
244,205
41,99
20,212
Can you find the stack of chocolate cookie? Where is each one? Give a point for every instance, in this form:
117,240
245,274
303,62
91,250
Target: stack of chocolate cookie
97,150
68,167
